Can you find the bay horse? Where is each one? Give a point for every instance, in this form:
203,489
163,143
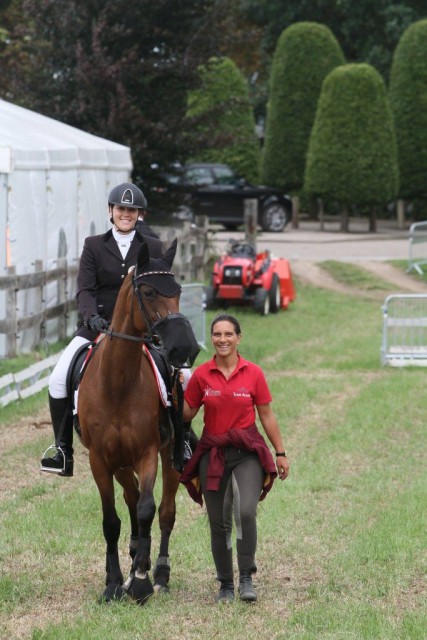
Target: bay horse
124,423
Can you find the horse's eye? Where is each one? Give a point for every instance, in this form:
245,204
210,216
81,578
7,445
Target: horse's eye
148,293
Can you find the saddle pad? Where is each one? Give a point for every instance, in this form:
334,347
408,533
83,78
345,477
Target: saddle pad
160,382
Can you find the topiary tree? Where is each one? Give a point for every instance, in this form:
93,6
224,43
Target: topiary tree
408,101
352,154
223,118
306,52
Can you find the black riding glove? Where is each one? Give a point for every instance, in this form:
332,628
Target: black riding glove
97,323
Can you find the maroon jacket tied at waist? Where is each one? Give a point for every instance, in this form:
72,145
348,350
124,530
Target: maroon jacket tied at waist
249,439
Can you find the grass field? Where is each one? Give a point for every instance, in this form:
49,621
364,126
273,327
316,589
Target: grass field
342,542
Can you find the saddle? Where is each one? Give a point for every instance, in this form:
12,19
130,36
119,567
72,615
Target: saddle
181,450
75,374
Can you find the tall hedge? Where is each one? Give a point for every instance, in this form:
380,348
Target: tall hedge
352,154
408,100
306,52
223,117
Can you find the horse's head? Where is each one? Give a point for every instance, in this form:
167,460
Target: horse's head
158,294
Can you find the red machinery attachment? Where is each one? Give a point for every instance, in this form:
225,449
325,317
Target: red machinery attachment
242,276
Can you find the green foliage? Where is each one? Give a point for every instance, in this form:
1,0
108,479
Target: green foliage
223,119
119,69
367,31
352,156
408,100
305,54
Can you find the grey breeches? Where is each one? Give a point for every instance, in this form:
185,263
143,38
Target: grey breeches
238,496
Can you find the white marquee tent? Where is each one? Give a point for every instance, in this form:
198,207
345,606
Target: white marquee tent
54,183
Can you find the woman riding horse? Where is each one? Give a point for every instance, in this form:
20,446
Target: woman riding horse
104,264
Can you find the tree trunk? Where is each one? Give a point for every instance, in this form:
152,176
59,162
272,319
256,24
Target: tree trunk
321,213
344,218
372,219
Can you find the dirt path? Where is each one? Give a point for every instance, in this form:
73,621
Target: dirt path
313,274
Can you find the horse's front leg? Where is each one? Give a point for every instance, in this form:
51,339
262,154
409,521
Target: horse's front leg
127,479
139,585
111,527
167,514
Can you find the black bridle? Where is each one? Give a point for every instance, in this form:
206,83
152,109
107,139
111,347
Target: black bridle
171,336
152,338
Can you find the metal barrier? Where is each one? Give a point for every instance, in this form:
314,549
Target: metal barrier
417,247
404,339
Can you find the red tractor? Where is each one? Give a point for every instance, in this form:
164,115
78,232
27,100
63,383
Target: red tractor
242,276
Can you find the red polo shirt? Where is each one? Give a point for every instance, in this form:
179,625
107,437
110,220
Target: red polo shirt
228,404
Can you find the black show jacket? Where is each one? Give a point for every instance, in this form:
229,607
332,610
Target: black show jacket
101,274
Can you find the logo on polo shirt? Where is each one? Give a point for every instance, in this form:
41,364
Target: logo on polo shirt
241,393
211,392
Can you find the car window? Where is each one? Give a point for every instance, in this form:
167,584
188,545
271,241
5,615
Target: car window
224,175
198,176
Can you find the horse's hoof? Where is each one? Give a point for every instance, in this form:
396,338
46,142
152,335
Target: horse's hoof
112,593
161,588
161,575
139,587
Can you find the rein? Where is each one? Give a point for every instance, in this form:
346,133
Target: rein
116,334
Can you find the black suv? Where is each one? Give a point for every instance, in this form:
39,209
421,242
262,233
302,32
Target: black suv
214,190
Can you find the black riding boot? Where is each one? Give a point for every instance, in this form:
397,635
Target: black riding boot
62,462
246,588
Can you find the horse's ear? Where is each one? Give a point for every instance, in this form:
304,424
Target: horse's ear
169,255
143,257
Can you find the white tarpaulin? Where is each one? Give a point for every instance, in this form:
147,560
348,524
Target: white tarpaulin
54,184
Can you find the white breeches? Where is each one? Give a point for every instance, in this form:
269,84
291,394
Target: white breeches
58,377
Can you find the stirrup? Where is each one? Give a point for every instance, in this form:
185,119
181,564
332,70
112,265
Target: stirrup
52,469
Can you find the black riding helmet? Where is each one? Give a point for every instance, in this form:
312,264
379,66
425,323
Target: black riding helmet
129,195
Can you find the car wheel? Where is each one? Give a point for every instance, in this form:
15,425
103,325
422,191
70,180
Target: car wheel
262,301
274,217
211,301
275,299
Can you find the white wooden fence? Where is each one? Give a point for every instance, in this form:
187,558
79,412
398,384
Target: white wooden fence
17,386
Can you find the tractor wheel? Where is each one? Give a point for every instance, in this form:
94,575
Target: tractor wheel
211,301
262,301
275,300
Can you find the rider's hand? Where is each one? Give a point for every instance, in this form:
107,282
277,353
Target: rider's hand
97,323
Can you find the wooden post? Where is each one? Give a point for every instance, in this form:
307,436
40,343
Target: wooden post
251,221
12,317
62,297
295,212
39,305
400,211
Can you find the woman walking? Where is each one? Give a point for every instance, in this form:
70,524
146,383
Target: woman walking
232,467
